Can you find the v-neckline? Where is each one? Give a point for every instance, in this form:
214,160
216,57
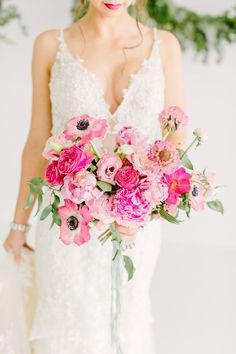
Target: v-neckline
132,77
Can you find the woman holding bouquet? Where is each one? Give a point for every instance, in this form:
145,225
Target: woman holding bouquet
107,65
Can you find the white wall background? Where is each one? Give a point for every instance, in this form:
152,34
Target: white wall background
194,286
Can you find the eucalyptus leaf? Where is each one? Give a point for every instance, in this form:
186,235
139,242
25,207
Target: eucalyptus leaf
56,217
30,200
129,266
40,201
46,211
216,205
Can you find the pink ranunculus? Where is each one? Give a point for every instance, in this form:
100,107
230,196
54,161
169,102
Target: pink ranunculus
53,175
140,162
157,191
164,156
197,193
86,128
127,177
108,166
54,145
132,136
178,183
75,223
172,118
72,159
130,206
100,209
81,187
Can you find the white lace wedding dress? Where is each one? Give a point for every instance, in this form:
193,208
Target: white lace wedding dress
73,284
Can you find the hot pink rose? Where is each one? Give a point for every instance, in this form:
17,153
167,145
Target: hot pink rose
81,187
74,223
108,166
52,174
86,128
127,177
72,159
100,209
131,136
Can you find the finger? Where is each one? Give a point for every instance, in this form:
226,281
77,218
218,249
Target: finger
17,255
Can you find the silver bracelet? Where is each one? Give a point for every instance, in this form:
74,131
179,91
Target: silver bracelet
20,227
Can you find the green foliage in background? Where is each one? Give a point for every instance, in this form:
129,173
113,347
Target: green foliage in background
201,33
9,13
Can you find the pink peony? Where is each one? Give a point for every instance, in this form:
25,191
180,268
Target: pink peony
81,187
86,128
75,223
101,209
140,162
178,183
72,159
157,190
172,118
164,156
54,145
108,166
127,177
196,193
52,174
130,206
131,136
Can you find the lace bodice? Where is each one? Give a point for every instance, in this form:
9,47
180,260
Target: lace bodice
75,90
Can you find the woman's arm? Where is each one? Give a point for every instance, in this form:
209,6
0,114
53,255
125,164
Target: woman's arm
171,58
32,162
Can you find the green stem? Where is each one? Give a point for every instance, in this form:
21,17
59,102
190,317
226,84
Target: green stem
188,148
95,150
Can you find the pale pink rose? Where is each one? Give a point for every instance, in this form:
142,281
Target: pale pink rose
53,175
100,209
81,187
108,166
197,193
172,118
86,128
72,159
140,162
54,145
127,177
130,206
131,136
74,223
164,156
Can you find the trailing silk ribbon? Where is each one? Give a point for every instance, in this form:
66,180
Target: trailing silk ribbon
116,289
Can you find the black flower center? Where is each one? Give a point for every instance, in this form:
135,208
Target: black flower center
195,191
72,222
82,124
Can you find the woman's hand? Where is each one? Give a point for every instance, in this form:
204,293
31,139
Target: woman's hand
14,242
127,234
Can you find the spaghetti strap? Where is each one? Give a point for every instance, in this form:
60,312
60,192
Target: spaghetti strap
60,37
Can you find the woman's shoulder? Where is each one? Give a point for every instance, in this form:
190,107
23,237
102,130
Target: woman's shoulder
170,48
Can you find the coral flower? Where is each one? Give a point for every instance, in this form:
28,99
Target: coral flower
164,156
178,183
86,128
75,223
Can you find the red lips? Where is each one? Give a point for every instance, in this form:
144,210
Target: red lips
112,6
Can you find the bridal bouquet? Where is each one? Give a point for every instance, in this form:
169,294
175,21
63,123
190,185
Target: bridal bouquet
130,185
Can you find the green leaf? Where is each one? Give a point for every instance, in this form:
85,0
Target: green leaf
216,205
129,266
185,160
56,201
40,201
30,200
104,186
46,211
168,217
56,217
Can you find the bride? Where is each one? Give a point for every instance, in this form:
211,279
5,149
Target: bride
108,65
